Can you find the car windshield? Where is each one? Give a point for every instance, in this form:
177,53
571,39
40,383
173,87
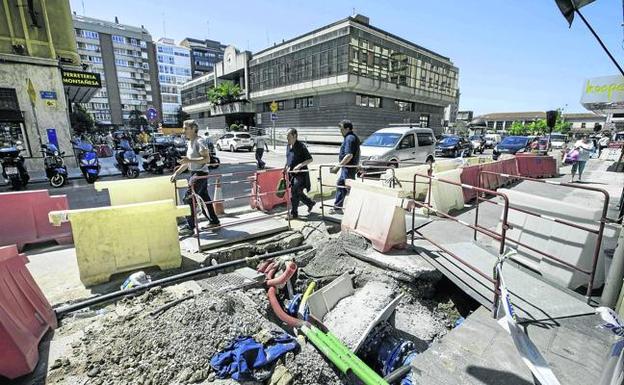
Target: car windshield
514,140
382,139
449,140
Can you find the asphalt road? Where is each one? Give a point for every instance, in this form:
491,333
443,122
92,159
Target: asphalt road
83,195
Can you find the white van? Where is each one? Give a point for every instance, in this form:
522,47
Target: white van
491,140
393,145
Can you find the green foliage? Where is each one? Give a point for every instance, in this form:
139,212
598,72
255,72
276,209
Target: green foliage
224,93
182,116
234,127
81,121
538,127
517,128
137,120
561,125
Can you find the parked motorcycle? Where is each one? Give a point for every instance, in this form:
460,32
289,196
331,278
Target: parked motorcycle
127,161
13,167
55,168
153,159
88,160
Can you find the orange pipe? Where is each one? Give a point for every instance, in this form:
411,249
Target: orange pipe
280,281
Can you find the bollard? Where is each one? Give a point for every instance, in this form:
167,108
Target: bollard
218,195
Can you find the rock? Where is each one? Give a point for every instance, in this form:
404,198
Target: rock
94,372
199,375
211,377
281,376
185,374
56,364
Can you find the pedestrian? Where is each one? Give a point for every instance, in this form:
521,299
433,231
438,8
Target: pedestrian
297,160
196,160
585,148
260,146
603,143
348,159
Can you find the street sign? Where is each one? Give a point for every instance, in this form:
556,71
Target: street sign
52,137
50,95
273,106
273,116
151,114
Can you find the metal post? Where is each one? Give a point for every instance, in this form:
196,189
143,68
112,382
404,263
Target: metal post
477,208
273,121
321,191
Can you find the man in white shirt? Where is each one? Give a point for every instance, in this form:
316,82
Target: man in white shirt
196,160
260,146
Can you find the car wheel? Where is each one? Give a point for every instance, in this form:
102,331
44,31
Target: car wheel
231,148
454,154
218,147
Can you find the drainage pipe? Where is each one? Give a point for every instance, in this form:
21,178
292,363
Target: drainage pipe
277,307
280,281
60,312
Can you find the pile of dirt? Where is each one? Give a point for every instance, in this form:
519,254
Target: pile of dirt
176,346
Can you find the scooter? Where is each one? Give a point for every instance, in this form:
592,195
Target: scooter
153,159
87,160
13,167
127,161
55,168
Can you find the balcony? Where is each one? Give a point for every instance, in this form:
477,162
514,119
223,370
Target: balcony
232,108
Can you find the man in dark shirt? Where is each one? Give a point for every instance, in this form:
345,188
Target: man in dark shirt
297,159
349,156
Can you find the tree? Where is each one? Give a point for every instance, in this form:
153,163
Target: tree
537,127
136,119
517,128
224,93
561,125
80,120
182,116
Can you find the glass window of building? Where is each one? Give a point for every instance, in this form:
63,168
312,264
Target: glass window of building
304,102
424,120
404,106
367,101
118,39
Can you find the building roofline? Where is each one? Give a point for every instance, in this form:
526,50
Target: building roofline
356,21
110,24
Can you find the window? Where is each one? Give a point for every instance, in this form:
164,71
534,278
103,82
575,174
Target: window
583,125
407,142
425,139
367,101
404,106
119,39
304,102
424,120
87,34
121,62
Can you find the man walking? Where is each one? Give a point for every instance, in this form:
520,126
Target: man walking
196,160
260,146
349,156
297,159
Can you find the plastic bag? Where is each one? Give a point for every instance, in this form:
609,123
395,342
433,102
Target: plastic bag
572,156
281,188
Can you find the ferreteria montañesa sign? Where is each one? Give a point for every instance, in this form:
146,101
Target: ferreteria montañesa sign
603,93
81,79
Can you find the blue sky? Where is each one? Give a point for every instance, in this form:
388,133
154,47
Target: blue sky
513,55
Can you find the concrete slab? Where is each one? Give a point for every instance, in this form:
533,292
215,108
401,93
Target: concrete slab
406,261
532,297
260,225
481,352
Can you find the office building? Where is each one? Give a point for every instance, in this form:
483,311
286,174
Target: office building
205,54
346,70
174,69
581,123
40,77
125,58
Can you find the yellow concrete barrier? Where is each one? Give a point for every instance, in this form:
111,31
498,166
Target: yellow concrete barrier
315,185
128,191
445,196
115,239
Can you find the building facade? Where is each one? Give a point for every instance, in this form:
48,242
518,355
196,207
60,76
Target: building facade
174,69
205,54
580,122
40,77
346,70
125,58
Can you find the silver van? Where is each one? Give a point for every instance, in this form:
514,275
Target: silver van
393,145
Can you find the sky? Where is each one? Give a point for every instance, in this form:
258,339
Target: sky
512,55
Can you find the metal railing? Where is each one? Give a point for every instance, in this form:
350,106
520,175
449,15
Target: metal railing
500,237
598,232
256,194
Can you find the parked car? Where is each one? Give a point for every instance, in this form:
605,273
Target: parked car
453,146
393,145
478,143
558,141
235,142
511,145
491,140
